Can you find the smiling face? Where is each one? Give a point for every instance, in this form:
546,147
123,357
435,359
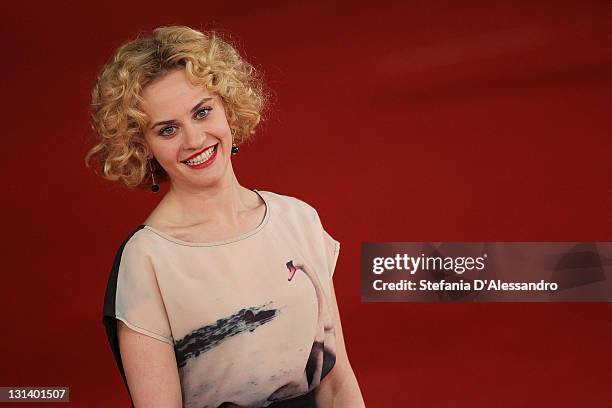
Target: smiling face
188,132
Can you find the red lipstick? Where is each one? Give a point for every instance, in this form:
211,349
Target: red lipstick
207,163
197,153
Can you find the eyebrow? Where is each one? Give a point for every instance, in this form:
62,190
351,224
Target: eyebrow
195,108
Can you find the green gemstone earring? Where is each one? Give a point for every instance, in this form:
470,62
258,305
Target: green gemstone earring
234,146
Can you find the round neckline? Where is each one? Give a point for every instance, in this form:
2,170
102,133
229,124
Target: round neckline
247,234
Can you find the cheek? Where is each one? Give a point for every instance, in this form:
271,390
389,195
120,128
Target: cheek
220,132
220,125
163,151
219,128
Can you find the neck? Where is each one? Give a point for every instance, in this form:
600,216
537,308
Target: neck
223,202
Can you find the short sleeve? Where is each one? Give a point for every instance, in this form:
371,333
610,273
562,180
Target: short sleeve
331,247
133,296
138,300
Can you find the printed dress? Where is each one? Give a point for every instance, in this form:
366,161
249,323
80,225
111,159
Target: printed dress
249,317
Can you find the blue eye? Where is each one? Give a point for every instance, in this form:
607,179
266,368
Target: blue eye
163,131
201,114
206,113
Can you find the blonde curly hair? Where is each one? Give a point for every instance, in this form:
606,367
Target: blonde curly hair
116,115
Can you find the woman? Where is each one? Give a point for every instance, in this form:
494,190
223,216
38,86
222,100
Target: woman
223,297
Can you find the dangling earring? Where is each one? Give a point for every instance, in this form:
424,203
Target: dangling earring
154,186
234,147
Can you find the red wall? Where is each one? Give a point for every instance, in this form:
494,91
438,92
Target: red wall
402,121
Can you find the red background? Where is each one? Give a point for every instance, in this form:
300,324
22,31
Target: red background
407,121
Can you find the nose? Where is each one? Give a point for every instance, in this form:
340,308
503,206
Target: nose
194,137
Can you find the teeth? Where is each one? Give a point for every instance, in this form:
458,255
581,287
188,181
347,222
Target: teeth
202,157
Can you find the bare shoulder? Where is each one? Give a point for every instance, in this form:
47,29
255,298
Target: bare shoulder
150,369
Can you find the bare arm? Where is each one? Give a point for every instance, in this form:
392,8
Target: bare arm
339,388
150,369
